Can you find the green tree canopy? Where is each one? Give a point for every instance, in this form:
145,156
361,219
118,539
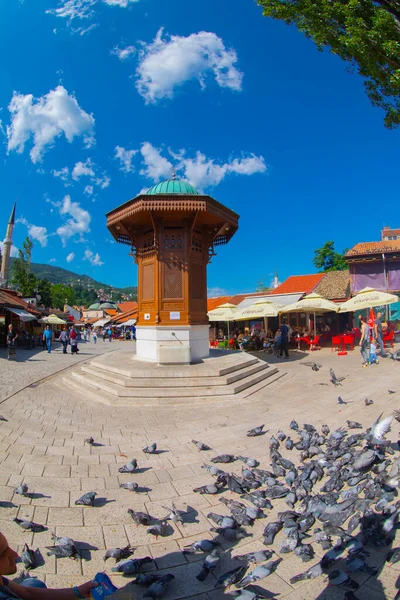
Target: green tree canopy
365,33
44,290
21,276
326,259
61,294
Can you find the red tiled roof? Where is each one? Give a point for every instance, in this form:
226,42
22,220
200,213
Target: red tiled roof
299,283
11,298
374,247
110,312
124,316
129,305
215,302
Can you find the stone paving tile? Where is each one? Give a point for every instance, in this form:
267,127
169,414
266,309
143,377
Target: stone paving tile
65,516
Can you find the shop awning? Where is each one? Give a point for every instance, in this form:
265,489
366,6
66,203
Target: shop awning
100,323
23,315
129,322
279,299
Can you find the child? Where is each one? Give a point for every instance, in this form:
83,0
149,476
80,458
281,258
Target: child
372,353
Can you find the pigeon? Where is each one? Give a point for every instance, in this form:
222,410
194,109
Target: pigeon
86,500
311,573
150,449
368,402
61,541
294,425
222,520
212,488
391,391
231,577
159,529
131,565
335,380
314,366
223,458
259,573
256,431
340,400
67,550
340,578
131,486
228,533
355,564
354,425
325,430
213,470
90,441
22,489
289,444
146,579
175,515
159,587
29,525
209,564
255,557
201,546
200,446
28,557
378,430
119,553
393,556
140,518
270,532
3,419
250,462
130,467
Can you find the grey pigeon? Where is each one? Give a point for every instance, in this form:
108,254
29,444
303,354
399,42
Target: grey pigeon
86,500
223,458
22,489
130,485
175,515
131,565
146,579
200,446
250,462
201,546
325,430
270,532
259,573
223,521
355,564
340,578
130,467
311,573
231,577
150,449
159,587
255,431
393,556
29,525
67,550
3,418
315,366
229,534
158,529
90,441
213,470
28,557
140,518
255,557
368,402
340,400
335,380
294,425
354,425
212,488
119,553
378,430
209,564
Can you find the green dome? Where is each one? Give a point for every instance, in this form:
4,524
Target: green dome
94,306
102,305
173,187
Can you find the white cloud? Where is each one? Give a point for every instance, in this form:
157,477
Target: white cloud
156,166
52,260
63,174
77,224
14,250
81,169
168,63
36,232
121,3
124,53
89,189
70,257
215,292
74,9
45,119
94,259
126,158
103,182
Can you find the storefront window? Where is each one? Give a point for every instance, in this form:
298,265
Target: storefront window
293,319
303,320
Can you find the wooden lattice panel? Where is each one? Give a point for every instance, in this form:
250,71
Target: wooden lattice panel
148,282
172,280
197,281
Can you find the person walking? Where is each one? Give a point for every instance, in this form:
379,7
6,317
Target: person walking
48,336
364,340
284,339
104,334
378,333
373,359
109,333
88,335
95,336
11,339
64,338
73,336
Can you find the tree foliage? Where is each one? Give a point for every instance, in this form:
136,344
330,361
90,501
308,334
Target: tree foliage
365,33
44,291
21,276
326,259
61,294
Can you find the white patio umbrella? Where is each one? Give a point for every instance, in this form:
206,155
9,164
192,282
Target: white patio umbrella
261,309
53,320
311,304
367,298
224,312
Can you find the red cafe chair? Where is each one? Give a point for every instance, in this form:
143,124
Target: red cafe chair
315,343
349,341
388,339
336,342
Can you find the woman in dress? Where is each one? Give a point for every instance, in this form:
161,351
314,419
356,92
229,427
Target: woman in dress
11,338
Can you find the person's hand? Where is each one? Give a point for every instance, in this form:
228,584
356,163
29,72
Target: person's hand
86,587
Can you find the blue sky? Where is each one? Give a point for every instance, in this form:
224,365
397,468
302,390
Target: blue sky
101,98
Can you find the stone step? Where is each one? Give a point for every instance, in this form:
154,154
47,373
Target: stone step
156,392
176,382
224,365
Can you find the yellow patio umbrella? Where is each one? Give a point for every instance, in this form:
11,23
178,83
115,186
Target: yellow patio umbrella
261,309
311,304
53,320
367,298
224,312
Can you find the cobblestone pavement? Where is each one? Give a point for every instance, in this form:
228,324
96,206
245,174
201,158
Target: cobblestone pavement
33,365
42,444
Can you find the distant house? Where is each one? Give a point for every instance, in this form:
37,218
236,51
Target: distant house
376,265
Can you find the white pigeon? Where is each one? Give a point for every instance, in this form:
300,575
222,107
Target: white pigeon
379,429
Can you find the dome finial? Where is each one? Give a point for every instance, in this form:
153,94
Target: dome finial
173,173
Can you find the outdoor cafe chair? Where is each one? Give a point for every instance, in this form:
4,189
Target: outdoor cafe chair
388,339
349,341
336,342
313,344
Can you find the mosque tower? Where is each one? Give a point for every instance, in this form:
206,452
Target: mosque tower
5,263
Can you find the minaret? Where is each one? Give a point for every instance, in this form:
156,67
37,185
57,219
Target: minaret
276,281
5,264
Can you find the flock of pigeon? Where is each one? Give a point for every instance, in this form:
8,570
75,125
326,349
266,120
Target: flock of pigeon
340,481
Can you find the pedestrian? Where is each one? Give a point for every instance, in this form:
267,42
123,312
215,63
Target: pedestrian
11,339
372,353
64,338
109,333
364,340
88,335
104,334
48,336
284,339
84,335
378,332
95,336
73,336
